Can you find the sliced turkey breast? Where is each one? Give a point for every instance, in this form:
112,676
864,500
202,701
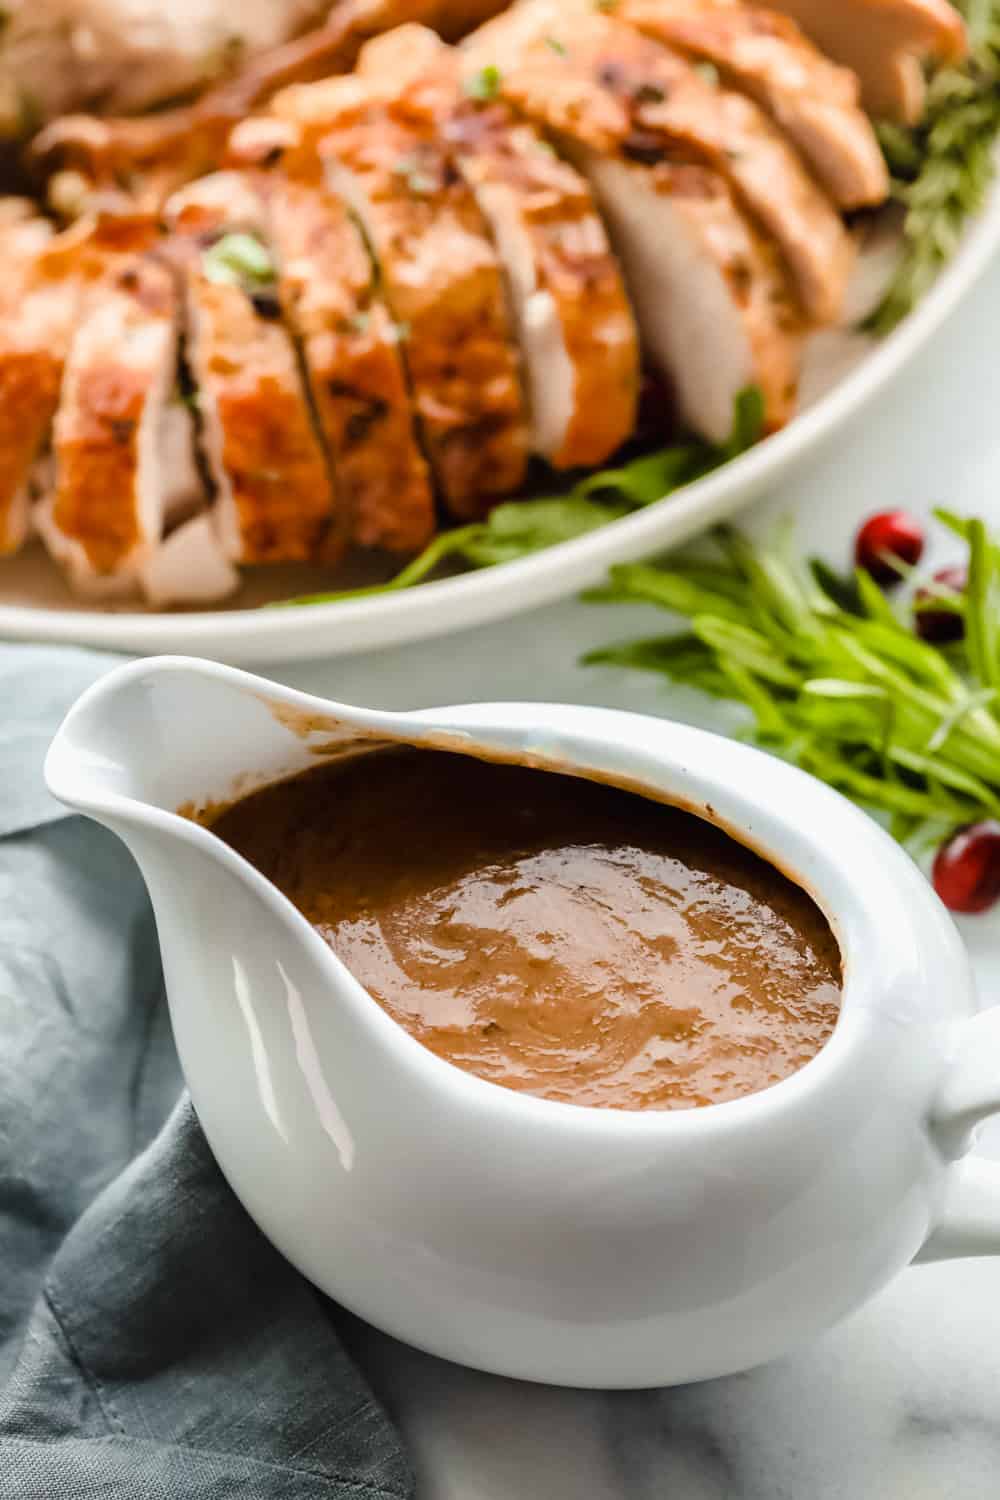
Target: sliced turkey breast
351,356
274,496
596,81
887,43
189,567
127,55
575,331
50,279
23,233
183,487
105,514
29,378
709,293
158,153
440,276
766,56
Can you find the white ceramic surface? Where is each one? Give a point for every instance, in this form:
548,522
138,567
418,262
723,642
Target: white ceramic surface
246,636
535,1239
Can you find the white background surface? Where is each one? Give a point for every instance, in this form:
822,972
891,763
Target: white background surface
903,1400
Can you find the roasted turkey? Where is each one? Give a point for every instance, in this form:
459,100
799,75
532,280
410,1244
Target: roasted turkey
357,290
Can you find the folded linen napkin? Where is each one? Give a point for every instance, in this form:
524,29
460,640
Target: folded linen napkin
152,1343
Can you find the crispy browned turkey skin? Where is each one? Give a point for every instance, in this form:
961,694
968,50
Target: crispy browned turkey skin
308,312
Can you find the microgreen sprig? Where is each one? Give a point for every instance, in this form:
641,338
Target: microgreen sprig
833,675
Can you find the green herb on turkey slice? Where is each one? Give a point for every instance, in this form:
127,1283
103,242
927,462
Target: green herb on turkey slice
833,675
943,168
519,528
241,260
486,84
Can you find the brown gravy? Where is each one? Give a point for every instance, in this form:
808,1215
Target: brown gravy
554,935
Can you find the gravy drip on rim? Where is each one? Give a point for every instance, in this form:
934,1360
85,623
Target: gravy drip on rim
557,936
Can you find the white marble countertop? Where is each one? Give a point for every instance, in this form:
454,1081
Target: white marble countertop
902,1402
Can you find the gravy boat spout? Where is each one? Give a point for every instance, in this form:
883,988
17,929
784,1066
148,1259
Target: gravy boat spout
533,1238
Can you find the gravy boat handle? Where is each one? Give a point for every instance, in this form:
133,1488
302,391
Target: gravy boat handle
969,1223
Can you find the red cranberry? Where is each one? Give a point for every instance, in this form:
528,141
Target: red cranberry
890,534
967,868
940,625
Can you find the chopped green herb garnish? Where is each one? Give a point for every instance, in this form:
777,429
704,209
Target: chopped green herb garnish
943,168
519,528
606,5
240,259
649,93
556,45
708,71
485,84
358,322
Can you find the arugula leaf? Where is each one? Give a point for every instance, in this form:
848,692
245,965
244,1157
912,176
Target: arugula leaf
673,590
748,424
646,479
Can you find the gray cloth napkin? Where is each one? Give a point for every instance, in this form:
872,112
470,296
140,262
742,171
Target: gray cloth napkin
152,1343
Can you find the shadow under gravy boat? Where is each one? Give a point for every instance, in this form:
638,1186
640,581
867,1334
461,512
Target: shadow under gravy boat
531,1238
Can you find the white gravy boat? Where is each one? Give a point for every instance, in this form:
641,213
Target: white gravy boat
531,1238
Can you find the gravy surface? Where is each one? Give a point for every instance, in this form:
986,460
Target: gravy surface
553,935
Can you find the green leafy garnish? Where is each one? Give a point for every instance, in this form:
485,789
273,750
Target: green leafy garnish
484,85
942,168
558,47
833,675
239,259
518,528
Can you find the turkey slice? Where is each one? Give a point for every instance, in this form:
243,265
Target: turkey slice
440,276
329,292
106,512
274,495
595,80
50,279
766,56
710,297
189,567
575,331
888,43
